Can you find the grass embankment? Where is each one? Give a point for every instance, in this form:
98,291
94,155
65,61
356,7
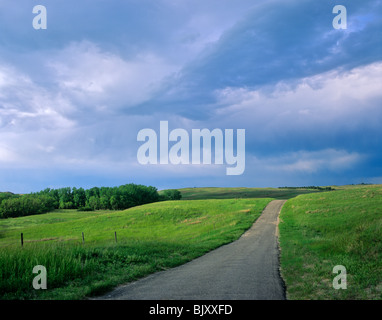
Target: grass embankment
244,193
320,231
150,238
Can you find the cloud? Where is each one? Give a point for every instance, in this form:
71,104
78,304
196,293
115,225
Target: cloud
334,90
7,155
100,79
73,98
277,41
314,161
332,109
26,106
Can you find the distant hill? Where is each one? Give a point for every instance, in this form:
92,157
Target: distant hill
233,193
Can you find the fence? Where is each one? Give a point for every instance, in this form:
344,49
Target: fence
83,238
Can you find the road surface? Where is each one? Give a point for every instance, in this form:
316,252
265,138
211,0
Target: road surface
247,269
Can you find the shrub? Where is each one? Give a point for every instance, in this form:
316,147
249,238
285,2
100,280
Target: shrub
85,209
172,194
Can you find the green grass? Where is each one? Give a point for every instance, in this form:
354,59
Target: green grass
152,237
320,231
244,193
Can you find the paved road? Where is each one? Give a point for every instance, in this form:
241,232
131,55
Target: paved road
247,269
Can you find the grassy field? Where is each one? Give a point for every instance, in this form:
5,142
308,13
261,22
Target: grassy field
320,231
150,238
242,193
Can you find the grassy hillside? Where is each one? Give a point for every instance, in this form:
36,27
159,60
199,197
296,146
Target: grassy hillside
320,231
149,238
245,193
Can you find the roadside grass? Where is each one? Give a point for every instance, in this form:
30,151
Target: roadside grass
320,231
150,238
244,193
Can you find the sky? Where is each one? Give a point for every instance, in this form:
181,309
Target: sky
74,96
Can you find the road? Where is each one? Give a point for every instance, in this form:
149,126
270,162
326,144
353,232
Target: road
247,269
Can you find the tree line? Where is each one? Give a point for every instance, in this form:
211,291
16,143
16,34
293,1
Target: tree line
12,205
105,198
310,187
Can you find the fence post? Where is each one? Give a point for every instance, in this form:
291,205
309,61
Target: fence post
83,238
22,239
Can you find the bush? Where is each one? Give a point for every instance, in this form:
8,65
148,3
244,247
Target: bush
171,194
85,209
26,205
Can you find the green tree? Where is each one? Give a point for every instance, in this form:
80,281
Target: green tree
79,197
114,202
94,203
